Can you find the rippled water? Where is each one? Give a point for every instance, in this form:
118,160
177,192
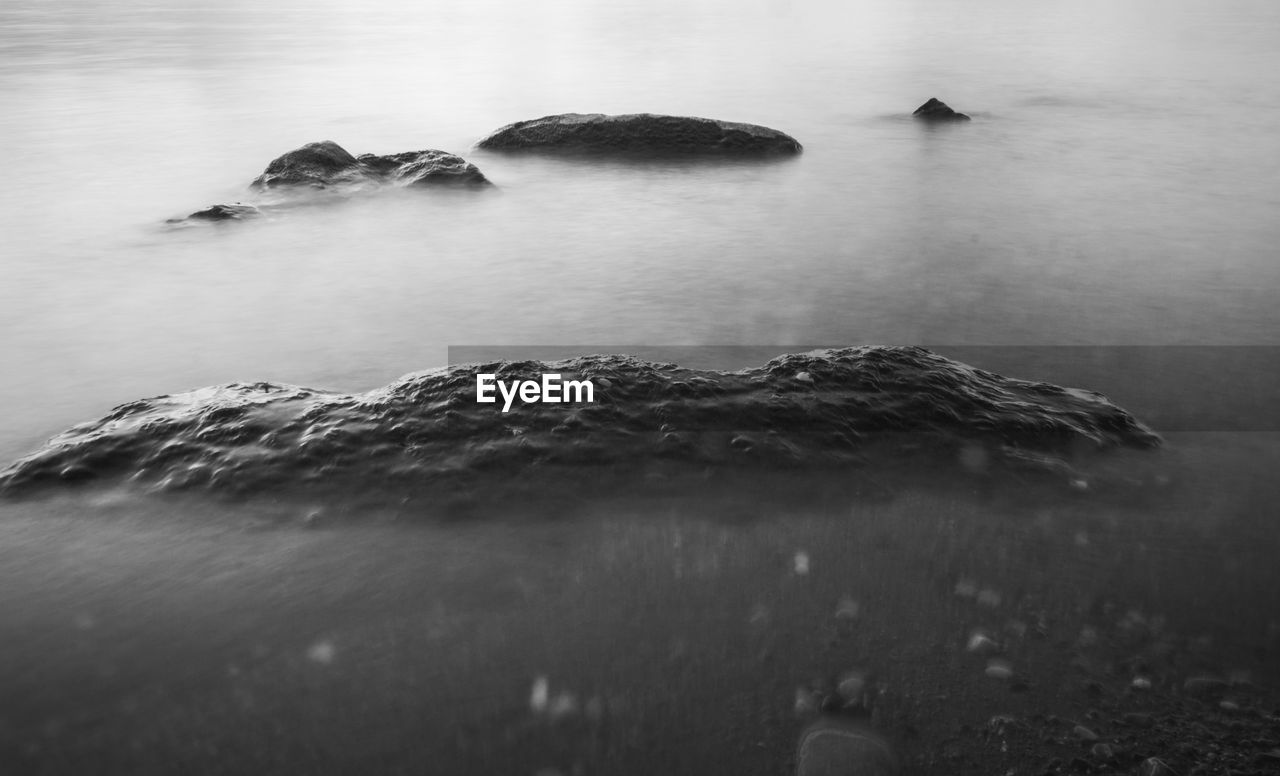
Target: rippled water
1116,187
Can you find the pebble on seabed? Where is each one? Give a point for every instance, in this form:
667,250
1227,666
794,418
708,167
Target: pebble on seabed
321,652
562,704
806,700
539,696
852,686
1141,683
802,563
1154,766
982,644
847,609
999,669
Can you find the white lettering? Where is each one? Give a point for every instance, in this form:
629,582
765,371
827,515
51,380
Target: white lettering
481,389
529,391
508,396
575,389
551,389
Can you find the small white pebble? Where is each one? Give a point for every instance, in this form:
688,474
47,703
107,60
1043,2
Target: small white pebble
321,652
1080,484
982,643
1141,683
539,696
847,609
999,669
802,563
804,377
852,685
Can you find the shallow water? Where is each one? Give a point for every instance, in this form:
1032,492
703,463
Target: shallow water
677,633
1116,187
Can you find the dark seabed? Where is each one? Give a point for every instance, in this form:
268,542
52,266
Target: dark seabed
1106,221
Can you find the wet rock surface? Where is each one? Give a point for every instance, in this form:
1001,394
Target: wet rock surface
644,133
236,211
327,166
855,406
937,110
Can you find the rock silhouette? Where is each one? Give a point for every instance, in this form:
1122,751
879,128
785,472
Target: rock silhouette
645,133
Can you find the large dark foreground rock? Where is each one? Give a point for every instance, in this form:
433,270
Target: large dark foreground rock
937,110
639,133
327,165
826,408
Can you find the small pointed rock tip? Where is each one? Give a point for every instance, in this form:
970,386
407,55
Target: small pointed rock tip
936,109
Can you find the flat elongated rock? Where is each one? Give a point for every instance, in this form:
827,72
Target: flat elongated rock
639,133
428,425
937,110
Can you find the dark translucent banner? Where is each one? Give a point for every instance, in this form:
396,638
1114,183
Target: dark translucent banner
1171,388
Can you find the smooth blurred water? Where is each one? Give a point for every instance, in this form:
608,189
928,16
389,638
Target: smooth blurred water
1117,184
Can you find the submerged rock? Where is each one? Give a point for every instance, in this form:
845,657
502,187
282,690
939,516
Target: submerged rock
937,110
328,166
236,211
639,133
428,425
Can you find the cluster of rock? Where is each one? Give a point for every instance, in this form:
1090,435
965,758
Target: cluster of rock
327,165
825,408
